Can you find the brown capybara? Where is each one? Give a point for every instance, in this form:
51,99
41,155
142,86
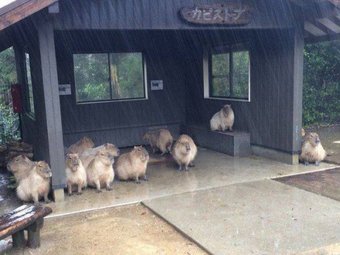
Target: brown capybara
223,119
312,150
80,146
36,184
184,152
20,167
75,173
88,154
159,139
100,171
132,165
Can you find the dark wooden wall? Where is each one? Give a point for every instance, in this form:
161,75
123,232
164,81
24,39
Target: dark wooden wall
269,115
159,14
123,123
177,58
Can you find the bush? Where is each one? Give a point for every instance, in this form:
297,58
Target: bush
321,88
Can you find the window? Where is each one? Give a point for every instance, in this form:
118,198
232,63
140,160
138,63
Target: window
29,87
227,71
109,77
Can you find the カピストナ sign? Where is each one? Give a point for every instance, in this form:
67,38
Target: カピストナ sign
218,14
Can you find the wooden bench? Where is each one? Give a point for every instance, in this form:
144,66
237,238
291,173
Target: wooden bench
236,143
26,217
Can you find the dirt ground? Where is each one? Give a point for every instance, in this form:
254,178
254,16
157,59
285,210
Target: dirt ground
120,230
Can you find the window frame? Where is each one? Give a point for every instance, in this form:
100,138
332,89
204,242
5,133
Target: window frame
111,100
28,106
208,74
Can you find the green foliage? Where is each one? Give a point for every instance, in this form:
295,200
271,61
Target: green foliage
91,75
94,74
321,90
7,68
9,121
221,73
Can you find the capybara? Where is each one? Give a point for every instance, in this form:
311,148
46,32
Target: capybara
20,167
312,150
36,184
159,139
100,171
223,119
80,146
132,165
184,152
75,173
88,154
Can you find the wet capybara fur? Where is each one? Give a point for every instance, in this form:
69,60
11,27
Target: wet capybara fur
184,152
75,173
36,184
159,140
100,171
80,146
223,119
132,165
89,154
20,167
312,150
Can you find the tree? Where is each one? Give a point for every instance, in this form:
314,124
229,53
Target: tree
321,88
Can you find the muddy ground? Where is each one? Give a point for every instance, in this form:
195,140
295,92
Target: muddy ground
120,230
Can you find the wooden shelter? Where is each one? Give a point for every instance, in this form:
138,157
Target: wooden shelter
65,48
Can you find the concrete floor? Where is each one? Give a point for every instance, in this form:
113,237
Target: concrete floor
212,170
228,205
261,217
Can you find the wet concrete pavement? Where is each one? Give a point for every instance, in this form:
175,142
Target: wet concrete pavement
212,170
261,217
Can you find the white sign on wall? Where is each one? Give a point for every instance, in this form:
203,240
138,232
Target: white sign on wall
65,89
157,85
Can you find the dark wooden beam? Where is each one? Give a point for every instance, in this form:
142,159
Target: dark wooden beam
22,11
54,8
314,39
52,103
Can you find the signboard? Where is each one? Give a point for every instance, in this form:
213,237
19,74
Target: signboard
64,89
157,85
218,14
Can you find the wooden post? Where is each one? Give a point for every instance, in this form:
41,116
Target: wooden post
34,233
19,239
297,86
52,103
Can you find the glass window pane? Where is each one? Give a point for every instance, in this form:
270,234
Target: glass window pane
220,64
240,74
220,87
91,75
29,83
127,75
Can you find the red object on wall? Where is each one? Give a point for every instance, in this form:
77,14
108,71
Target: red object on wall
16,97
